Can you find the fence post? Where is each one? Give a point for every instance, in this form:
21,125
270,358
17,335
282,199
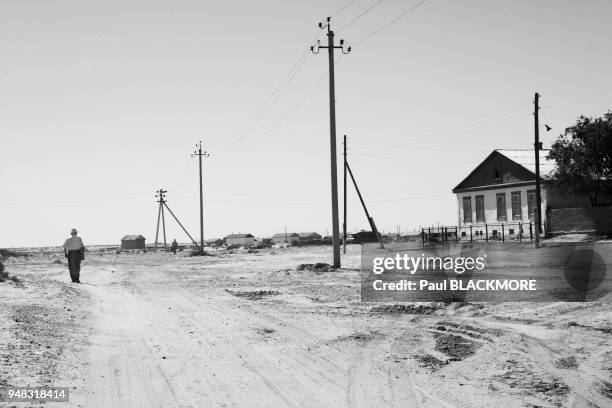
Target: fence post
429,234
487,232
457,234
471,233
530,231
503,235
520,229
423,235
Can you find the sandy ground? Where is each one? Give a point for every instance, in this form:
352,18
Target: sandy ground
249,330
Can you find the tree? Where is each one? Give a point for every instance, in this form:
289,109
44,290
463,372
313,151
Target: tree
583,155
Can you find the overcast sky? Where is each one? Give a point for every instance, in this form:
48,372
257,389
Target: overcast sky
101,104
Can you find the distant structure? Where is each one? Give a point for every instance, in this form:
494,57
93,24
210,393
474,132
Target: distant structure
133,242
239,240
309,237
362,237
286,238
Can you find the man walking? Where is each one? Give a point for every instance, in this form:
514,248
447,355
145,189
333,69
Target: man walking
174,246
74,250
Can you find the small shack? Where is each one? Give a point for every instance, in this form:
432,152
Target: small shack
239,240
133,242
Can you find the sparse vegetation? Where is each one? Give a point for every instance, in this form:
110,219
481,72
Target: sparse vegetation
253,295
8,253
316,267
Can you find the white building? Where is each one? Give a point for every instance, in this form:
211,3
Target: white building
501,191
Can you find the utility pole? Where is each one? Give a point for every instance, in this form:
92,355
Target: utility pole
344,201
537,146
332,135
365,209
161,194
200,153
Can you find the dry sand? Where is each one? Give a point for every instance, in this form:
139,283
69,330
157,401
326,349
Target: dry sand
249,330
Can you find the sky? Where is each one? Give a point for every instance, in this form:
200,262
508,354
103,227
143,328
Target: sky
102,104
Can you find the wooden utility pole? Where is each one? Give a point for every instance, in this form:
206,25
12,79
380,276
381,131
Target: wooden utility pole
200,153
179,223
370,219
537,146
332,136
344,201
161,194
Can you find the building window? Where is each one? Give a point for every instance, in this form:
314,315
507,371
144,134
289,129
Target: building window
531,203
516,205
467,209
501,206
480,214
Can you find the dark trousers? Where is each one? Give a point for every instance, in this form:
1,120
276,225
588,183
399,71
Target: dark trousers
74,264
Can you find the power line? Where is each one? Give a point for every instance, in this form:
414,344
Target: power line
343,8
396,19
363,13
294,107
274,96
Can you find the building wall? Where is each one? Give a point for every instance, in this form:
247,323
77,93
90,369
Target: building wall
133,244
586,220
242,241
490,205
290,239
310,238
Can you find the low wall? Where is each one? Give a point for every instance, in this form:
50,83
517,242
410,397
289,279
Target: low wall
589,220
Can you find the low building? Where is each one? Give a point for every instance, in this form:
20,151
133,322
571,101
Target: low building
286,238
239,240
309,237
133,242
501,191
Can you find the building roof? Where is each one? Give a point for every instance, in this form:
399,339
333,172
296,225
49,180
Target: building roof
522,169
526,158
285,234
132,237
239,236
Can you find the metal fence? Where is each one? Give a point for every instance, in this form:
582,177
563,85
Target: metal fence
502,232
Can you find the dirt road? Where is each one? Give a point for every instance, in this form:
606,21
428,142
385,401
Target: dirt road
249,330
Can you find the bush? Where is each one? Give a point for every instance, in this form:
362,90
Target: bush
4,276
